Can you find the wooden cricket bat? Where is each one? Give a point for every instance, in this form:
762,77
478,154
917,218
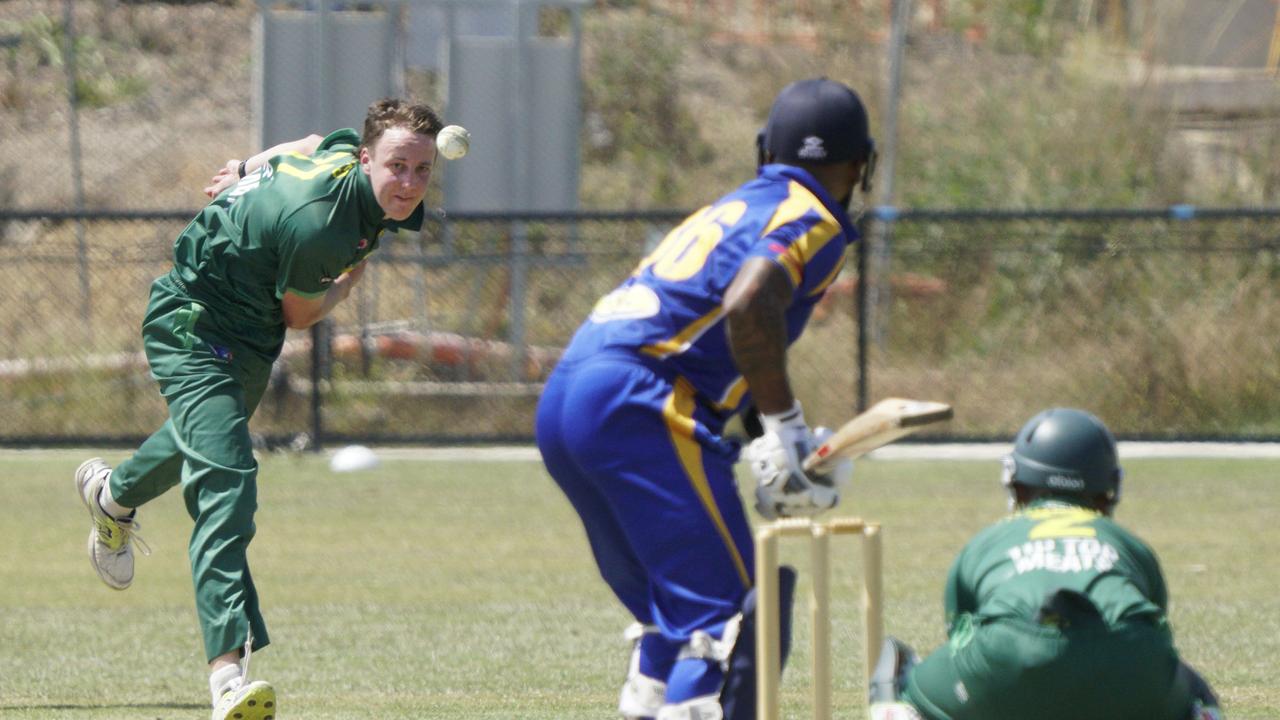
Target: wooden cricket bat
886,421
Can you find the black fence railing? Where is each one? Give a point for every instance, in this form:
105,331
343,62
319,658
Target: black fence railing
1164,322
1161,321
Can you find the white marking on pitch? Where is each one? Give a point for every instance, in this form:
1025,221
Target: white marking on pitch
1128,451
899,451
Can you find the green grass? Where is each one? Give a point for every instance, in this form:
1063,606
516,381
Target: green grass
465,589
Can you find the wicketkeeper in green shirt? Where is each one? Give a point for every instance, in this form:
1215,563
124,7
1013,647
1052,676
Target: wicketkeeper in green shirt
283,242
1055,612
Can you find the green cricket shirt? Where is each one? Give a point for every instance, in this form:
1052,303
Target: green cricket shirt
293,225
1011,567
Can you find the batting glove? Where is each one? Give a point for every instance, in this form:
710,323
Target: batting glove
783,488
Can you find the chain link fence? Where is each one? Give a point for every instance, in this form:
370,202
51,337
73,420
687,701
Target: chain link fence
114,105
1163,323
114,111
1166,326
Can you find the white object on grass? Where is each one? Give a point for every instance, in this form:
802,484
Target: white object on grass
352,458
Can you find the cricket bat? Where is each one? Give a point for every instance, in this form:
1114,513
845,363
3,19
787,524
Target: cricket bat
886,421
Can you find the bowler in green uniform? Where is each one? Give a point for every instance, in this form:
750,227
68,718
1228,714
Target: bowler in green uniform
283,242
1055,612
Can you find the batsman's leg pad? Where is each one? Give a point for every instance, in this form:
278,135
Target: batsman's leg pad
642,695
738,696
893,711
695,677
700,668
706,707
890,674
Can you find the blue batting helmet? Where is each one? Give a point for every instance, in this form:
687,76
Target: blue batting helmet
819,121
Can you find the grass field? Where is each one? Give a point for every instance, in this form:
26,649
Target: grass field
435,589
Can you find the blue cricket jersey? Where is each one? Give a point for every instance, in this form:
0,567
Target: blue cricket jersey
672,307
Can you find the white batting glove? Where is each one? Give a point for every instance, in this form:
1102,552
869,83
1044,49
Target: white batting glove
776,459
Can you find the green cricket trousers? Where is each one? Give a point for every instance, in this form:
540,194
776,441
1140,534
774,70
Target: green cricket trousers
1015,669
212,386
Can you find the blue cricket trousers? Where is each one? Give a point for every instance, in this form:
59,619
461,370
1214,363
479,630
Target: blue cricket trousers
643,464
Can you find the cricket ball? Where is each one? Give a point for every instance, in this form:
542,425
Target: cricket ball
453,141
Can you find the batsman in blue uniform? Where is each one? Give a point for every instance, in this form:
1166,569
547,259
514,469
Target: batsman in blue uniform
630,423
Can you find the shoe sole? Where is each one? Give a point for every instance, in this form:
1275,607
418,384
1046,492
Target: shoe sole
258,703
93,531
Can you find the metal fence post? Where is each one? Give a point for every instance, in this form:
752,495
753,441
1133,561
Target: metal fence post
860,312
518,290
320,334
77,173
511,291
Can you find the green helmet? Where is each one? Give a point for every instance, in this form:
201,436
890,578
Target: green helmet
1066,452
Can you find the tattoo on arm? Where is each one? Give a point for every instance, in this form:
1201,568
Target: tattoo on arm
755,308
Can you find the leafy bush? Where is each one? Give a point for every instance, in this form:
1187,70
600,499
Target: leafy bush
637,121
43,43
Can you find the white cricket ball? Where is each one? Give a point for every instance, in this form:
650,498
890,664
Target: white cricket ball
453,141
353,458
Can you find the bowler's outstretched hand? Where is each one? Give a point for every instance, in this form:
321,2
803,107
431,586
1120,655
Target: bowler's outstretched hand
227,176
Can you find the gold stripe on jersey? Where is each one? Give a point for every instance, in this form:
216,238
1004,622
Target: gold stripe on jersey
831,276
311,158
320,167
685,337
794,267
677,411
733,395
800,202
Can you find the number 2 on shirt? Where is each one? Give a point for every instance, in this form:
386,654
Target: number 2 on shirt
1062,522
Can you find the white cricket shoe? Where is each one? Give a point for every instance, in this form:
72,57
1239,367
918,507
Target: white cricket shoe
110,539
255,701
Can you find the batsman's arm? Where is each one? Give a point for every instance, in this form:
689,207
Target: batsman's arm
234,169
755,321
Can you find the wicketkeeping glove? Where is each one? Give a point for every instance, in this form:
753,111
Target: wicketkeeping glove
776,459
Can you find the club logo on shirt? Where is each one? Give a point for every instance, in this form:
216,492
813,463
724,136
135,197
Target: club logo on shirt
1063,555
364,243
813,149
631,302
222,353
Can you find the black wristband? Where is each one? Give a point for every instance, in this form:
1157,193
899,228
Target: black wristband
242,164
